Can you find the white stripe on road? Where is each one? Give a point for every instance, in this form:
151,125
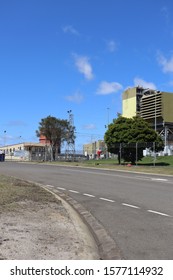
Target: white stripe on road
158,213
109,200
50,186
159,179
125,204
129,205
87,194
73,191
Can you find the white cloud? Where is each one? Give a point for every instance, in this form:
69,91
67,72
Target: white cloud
77,97
141,82
167,64
83,65
90,126
166,14
70,29
106,88
112,46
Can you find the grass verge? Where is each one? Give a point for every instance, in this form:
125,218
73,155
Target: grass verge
163,165
13,191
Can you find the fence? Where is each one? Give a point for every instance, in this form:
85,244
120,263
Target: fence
133,152
125,152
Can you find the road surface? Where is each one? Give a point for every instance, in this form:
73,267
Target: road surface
136,209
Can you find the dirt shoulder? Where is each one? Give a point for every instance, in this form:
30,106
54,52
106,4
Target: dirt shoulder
34,224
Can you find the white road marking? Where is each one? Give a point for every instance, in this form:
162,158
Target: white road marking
159,179
129,205
158,213
136,177
109,200
142,178
73,191
87,194
125,204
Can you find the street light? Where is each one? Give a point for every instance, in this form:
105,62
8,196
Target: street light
155,121
106,125
108,115
5,137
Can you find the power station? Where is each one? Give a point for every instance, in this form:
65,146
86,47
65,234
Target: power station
156,107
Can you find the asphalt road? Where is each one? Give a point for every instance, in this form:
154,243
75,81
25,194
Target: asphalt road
136,209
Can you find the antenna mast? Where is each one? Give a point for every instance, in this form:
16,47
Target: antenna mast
70,140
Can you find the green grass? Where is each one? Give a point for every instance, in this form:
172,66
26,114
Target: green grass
160,161
163,165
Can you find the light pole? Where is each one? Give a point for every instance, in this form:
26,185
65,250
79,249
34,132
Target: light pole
155,119
5,137
155,126
108,115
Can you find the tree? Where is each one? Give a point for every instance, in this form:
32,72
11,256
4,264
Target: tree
127,136
56,131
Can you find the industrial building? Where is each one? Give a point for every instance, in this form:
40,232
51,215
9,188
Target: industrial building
24,151
156,107
91,149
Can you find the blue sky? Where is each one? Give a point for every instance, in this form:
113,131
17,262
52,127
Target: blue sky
79,55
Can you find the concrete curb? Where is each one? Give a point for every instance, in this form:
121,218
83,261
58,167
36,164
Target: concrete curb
108,249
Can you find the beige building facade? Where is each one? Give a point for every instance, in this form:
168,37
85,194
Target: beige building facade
151,105
23,151
91,149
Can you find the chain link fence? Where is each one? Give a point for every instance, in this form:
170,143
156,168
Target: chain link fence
124,152
132,152
136,150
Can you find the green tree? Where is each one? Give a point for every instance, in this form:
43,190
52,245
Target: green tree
127,137
56,131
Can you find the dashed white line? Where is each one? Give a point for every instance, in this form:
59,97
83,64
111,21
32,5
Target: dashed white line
159,179
87,194
106,199
73,191
129,205
125,204
50,186
158,213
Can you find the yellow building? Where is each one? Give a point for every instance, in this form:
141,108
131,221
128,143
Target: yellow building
91,149
150,104
156,107
131,102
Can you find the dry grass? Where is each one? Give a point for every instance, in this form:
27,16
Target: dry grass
13,191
